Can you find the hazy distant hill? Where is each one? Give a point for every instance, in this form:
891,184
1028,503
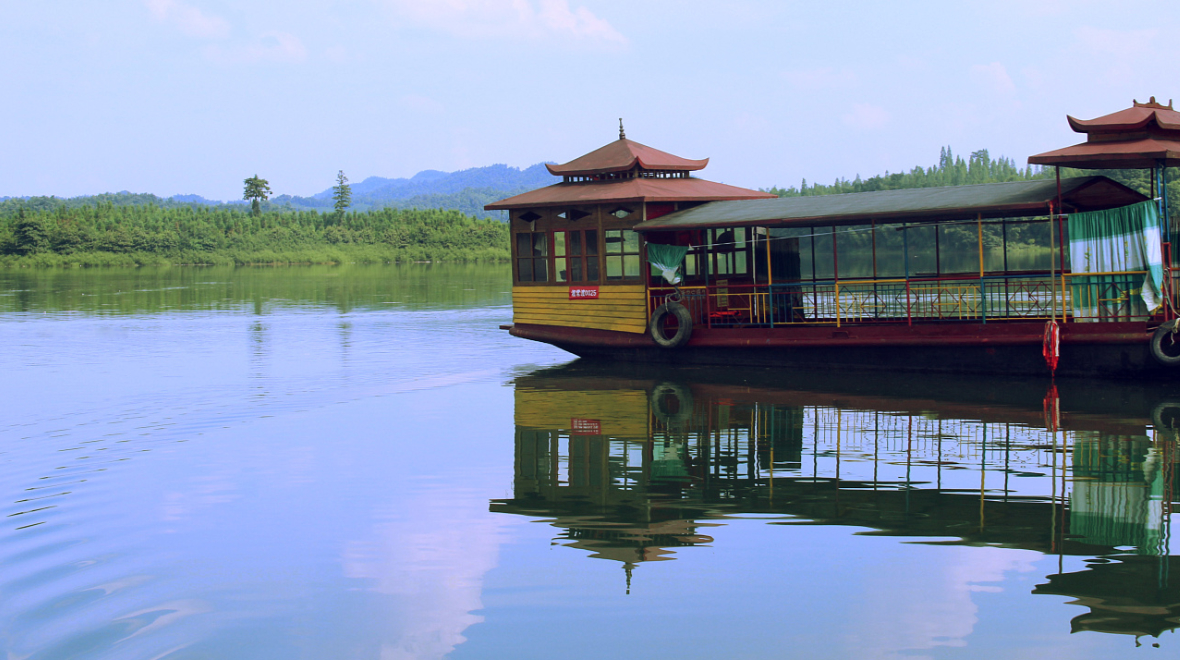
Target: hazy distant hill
433,182
195,199
466,191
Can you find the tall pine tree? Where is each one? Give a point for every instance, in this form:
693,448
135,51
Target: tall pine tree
341,193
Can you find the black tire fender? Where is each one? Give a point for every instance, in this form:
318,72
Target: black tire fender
1164,347
656,325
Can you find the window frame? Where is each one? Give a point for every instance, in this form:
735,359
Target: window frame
585,260
622,255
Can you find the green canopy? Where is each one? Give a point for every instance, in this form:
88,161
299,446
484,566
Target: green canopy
667,258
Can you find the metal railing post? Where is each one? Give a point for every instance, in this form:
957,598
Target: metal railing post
983,301
708,307
837,289
908,318
770,293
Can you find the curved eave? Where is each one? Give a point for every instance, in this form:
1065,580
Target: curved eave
1132,154
628,190
622,155
1131,119
691,166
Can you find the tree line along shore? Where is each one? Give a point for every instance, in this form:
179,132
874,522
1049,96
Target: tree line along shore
110,235
137,230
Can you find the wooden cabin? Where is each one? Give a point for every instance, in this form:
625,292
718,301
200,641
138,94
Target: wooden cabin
577,263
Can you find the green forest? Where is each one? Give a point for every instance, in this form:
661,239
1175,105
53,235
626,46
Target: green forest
106,234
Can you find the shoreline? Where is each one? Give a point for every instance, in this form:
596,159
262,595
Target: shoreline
260,258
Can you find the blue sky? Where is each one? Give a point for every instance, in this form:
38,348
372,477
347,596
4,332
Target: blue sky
193,96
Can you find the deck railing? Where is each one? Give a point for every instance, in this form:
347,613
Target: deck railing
1076,297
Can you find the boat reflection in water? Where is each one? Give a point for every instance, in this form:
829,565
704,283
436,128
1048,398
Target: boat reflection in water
635,466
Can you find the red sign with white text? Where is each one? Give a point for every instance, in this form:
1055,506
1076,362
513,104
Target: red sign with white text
583,293
585,426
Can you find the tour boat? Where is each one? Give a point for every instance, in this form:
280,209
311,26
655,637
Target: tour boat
632,258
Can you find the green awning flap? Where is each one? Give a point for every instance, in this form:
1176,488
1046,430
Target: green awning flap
1115,241
668,259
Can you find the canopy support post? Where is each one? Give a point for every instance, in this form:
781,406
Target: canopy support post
1160,182
979,229
1053,269
770,309
769,265
1052,265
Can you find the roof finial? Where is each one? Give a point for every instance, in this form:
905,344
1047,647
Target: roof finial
1152,103
622,135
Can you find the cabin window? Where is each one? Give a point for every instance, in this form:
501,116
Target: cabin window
575,256
807,254
760,255
787,248
622,254
890,247
921,243
1029,246
823,253
532,257
854,252
993,246
958,248
730,251
694,260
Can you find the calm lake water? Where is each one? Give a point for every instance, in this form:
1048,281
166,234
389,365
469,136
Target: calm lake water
355,462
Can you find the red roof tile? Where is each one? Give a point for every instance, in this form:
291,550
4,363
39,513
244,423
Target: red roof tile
622,155
628,190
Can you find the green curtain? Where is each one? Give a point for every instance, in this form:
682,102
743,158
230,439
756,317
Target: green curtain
667,258
1118,491
1115,241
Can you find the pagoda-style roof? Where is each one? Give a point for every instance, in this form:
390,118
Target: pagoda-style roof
1138,117
987,200
627,171
622,155
1136,138
637,190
